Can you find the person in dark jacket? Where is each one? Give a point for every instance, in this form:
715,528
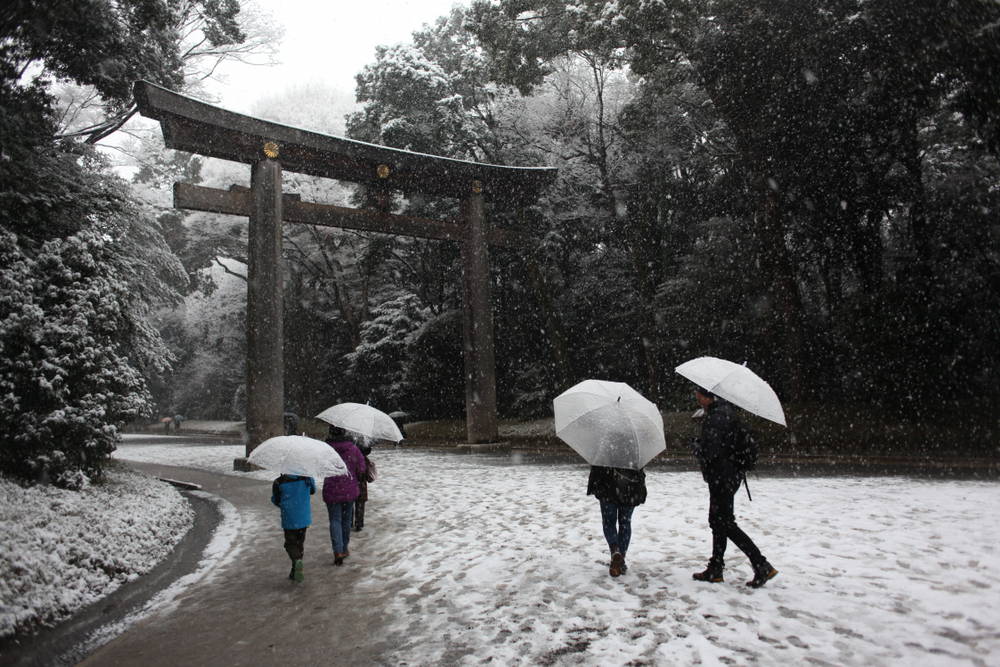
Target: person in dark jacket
369,476
290,420
340,492
619,491
714,453
291,493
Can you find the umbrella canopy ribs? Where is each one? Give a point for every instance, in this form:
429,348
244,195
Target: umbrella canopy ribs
363,420
269,148
609,424
298,455
735,383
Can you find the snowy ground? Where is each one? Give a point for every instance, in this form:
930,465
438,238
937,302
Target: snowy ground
506,563
62,550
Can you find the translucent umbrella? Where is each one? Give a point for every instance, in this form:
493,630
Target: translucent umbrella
298,455
737,384
362,419
609,424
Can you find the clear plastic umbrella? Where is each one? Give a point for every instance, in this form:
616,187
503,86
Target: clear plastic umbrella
609,424
298,455
362,419
737,384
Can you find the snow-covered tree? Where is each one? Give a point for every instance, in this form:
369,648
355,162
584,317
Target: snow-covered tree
82,262
88,53
435,368
66,376
378,364
806,138
207,334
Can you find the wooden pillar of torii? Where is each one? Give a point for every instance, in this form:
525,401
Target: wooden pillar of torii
270,148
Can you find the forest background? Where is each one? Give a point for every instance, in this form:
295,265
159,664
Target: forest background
811,187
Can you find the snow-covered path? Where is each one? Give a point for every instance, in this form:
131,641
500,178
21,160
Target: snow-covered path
493,561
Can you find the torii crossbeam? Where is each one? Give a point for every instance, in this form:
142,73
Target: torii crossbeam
195,126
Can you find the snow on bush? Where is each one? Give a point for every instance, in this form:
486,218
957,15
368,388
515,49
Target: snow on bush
62,550
65,373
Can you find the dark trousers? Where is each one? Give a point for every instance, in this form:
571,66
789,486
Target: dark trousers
722,521
616,520
359,514
295,543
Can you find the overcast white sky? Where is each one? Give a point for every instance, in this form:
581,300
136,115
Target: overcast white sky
326,41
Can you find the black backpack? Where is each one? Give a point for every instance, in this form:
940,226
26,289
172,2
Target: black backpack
744,448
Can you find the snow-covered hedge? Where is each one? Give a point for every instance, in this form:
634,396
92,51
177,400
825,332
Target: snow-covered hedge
61,550
66,331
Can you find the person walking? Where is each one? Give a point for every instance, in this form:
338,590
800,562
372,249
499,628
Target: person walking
369,476
619,491
290,421
714,451
291,493
340,492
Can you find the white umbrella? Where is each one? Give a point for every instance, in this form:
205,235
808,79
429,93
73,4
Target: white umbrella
609,424
737,384
363,419
298,455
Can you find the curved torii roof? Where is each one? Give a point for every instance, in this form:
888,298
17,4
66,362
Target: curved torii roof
195,126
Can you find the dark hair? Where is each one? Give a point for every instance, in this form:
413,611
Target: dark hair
336,434
704,392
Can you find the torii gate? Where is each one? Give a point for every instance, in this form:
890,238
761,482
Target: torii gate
191,125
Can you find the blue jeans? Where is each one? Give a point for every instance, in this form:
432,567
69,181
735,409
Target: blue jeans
341,515
617,523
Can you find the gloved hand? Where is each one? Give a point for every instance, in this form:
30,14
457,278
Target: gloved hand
695,445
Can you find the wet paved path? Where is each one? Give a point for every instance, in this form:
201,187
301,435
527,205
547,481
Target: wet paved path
246,611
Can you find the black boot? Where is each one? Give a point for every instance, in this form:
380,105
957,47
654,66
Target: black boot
712,574
762,574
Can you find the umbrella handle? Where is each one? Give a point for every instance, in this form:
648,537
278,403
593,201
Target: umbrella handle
747,487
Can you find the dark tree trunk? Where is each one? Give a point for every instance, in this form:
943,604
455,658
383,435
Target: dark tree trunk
777,264
919,225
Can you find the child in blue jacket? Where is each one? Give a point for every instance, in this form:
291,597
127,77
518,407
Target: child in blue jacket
291,493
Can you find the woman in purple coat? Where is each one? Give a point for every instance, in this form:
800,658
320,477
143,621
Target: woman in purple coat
340,492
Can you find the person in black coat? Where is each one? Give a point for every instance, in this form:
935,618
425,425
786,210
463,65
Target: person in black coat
713,451
619,490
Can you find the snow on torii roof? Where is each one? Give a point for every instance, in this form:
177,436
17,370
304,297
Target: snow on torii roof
189,124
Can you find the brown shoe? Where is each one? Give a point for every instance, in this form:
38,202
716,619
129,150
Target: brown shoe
617,564
338,559
712,574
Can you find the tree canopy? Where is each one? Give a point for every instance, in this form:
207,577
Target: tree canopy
83,262
809,187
